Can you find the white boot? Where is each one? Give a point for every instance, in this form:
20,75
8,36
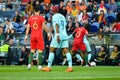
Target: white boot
39,67
64,62
29,66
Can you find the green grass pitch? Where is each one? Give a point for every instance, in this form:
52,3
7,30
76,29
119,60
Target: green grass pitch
58,73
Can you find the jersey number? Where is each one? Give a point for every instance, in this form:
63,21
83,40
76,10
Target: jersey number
78,34
35,26
62,23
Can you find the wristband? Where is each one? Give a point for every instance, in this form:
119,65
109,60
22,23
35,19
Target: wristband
26,37
57,34
48,33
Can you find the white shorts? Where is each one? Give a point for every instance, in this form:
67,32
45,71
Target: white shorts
61,44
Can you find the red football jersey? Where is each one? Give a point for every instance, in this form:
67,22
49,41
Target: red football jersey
80,32
116,27
35,23
25,0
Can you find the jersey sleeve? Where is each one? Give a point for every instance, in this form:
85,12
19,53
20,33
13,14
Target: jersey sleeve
29,21
55,20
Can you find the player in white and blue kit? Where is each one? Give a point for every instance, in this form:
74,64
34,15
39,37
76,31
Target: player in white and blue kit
60,39
61,21
88,48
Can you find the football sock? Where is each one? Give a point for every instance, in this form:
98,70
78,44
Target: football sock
88,47
39,58
89,57
79,57
30,58
50,59
69,59
86,59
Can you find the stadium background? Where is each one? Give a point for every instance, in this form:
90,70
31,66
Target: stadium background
16,12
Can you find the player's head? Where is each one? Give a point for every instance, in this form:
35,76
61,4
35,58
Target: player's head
86,26
54,9
37,9
77,24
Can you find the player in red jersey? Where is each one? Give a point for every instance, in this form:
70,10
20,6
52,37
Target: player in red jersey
116,26
36,24
78,42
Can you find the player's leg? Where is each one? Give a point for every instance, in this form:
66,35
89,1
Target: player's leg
51,56
84,52
88,49
53,46
30,58
39,59
79,58
89,58
40,47
64,45
74,51
77,55
63,57
85,56
33,47
50,60
69,59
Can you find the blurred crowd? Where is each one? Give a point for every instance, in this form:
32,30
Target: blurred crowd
101,15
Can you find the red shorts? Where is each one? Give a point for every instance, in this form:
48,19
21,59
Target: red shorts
37,43
78,45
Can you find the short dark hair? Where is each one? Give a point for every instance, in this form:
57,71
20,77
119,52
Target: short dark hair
117,47
8,20
37,8
86,26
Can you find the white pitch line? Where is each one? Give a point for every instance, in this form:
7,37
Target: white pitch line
60,78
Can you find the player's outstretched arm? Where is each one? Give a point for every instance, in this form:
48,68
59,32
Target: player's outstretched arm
27,32
91,35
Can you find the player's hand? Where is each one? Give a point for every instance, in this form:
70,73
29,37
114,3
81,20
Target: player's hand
48,36
21,59
26,39
58,39
47,46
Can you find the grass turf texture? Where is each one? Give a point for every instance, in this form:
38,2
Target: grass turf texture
58,73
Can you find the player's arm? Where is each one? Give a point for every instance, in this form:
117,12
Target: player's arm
27,32
88,34
91,35
45,27
73,33
46,30
57,32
